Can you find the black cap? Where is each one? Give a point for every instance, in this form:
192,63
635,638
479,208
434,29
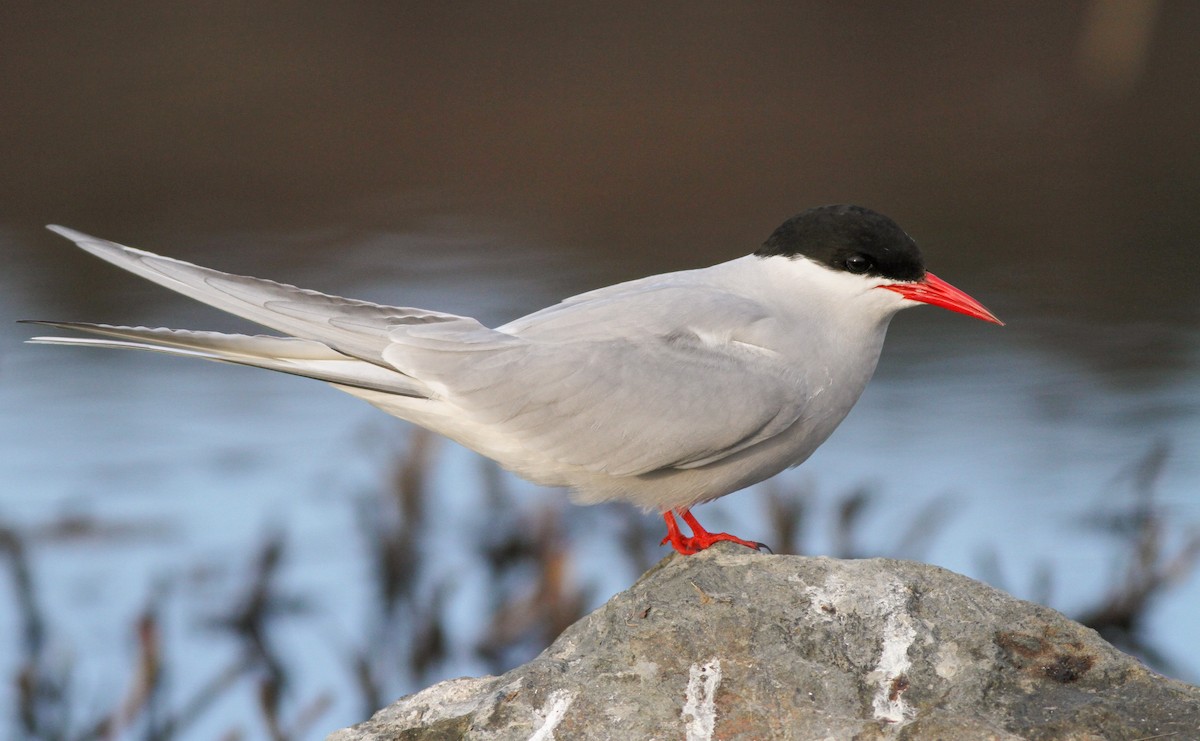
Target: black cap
851,239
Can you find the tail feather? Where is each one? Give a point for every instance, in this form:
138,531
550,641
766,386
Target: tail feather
296,356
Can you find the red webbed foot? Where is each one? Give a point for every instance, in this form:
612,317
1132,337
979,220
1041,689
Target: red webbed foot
700,538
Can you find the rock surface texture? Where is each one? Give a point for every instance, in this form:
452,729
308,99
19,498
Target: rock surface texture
734,645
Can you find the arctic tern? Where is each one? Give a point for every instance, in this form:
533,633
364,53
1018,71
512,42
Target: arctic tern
665,392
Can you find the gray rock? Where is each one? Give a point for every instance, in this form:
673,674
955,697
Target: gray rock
729,644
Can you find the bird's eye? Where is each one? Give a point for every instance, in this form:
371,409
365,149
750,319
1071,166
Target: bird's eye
859,263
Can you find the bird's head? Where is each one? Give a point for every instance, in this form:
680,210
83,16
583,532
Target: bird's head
857,241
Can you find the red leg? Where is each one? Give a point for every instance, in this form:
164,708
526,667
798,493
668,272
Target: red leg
678,542
700,538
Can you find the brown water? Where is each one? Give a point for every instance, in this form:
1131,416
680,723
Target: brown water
655,136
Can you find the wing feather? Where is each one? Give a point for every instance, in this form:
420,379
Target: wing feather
356,328
639,409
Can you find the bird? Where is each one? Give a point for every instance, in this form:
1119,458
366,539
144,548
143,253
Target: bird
665,392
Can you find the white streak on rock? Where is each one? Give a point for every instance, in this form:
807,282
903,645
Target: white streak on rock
899,632
552,714
701,700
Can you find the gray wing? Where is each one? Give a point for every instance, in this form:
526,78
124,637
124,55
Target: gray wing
356,328
623,404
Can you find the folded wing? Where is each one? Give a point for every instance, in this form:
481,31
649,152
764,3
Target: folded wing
615,406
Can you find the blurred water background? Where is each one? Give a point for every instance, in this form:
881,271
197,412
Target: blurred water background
262,556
